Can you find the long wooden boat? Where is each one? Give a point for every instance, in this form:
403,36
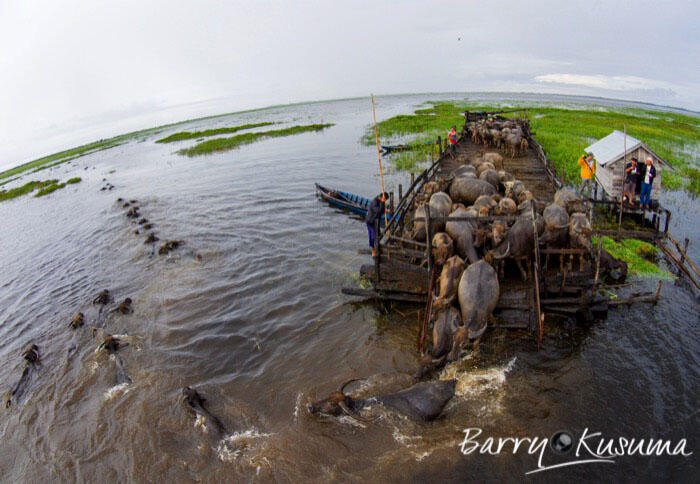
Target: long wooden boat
345,200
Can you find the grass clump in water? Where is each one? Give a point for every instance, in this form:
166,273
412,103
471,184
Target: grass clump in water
57,186
183,135
640,256
222,144
24,189
49,189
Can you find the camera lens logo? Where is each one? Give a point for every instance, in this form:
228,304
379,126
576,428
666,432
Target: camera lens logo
562,442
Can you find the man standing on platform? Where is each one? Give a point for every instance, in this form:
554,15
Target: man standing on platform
648,173
630,186
587,164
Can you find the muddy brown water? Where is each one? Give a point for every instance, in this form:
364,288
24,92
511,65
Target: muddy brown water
249,312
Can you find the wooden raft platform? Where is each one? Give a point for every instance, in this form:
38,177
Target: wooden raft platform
403,268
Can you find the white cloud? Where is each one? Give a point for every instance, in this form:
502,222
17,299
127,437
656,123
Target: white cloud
615,83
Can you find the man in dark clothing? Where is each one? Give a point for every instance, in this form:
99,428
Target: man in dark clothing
647,175
374,212
631,176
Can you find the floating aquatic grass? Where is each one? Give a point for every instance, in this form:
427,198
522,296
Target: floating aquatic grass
640,256
24,189
222,144
49,189
183,135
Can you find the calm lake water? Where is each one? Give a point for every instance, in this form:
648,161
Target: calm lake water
249,312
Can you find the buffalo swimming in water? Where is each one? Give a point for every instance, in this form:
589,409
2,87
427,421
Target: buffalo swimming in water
195,401
31,355
423,401
112,345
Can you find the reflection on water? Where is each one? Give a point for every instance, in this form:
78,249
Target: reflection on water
249,312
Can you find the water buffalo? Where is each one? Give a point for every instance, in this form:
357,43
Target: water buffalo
111,345
615,268
569,200
513,189
506,206
443,248
195,401
495,159
31,356
449,280
556,229
440,205
478,295
556,221
465,170
518,244
484,204
423,401
490,176
467,190
580,231
447,321
504,176
484,167
463,235
102,297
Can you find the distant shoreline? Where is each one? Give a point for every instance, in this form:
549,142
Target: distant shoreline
528,97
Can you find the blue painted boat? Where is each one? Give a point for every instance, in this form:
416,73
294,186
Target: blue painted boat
345,200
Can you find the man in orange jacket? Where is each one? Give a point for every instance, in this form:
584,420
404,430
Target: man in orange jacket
587,164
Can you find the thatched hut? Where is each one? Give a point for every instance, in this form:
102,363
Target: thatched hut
610,156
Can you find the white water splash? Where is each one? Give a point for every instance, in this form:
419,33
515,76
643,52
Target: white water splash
116,390
475,382
238,444
200,423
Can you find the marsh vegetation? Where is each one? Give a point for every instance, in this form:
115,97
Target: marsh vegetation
223,144
183,135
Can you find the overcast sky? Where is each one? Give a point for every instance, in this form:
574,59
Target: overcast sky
73,71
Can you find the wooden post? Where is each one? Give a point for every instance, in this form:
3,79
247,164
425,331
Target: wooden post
597,265
400,192
685,249
428,238
668,219
413,178
391,203
658,292
622,189
439,143
536,271
562,176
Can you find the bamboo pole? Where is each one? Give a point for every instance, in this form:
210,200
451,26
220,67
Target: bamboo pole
379,157
622,190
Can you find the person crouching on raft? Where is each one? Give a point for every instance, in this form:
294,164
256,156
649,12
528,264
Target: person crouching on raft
374,212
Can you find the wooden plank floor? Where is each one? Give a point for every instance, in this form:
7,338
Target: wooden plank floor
526,168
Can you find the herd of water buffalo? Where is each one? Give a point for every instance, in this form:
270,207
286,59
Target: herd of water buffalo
480,216
505,134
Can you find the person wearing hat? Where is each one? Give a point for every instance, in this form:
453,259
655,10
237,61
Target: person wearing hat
631,176
587,164
647,175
